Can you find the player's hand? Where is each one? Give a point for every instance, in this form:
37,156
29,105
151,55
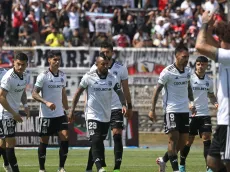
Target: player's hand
193,110
51,105
27,111
207,17
124,111
70,117
129,114
17,117
152,116
216,105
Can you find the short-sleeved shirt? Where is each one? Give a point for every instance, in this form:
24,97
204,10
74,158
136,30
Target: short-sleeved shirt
201,87
51,89
223,95
121,73
99,95
15,86
175,90
56,38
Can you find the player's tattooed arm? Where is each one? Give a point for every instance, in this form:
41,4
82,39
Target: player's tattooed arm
212,98
64,99
156,93
121,97
76,98
36,96
190,93
24,98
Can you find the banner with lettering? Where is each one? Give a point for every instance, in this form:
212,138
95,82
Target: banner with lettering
27,132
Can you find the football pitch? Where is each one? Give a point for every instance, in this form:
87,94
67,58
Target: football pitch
134,160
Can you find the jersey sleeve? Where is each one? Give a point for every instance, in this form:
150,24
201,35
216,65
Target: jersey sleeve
6,83
210,90
163,78
124,74
40,80
94,67
84,81
223,56
117,86
65,80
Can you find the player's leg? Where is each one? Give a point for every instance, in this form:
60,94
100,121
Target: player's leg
217,150
90,161
44,130
6,164
193,131
62,129
96,131
9,132
117,127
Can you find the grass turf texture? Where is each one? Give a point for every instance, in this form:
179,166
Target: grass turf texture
134,160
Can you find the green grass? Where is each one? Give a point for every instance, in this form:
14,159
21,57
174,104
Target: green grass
134,160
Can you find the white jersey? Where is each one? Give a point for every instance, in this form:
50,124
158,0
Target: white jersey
51,89
121,74
15,86
201,87
223,95
175,90
99,95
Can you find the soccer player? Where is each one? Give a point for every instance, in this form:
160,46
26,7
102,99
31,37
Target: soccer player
116,121
99,85
174,80
12,93
202,86
218,158
53,120
6,165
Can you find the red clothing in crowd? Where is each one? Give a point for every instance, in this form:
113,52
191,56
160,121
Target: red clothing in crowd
17,19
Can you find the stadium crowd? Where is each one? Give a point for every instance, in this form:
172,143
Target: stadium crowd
70,23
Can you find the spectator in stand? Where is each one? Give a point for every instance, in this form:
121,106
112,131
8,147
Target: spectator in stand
188,8
130,27
160,42
35,5
121,40
55,39
2,25
51,7
25,32
67,32
141,39
101,37
76,39
46,28
211,5
73,14
17,20
117,21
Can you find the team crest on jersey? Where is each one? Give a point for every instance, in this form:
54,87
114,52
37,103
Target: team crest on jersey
207,84
115,72
110,83
62,80
188,76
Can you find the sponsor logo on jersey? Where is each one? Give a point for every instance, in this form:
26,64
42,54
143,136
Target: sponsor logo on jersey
181,83
55,86
200,88
102,89
19,90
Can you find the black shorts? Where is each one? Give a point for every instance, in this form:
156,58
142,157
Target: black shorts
51,126
117,119
9,127
2,136
97,128
220,147
176,121
199,125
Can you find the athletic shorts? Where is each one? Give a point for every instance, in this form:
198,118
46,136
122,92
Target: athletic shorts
51,126
97,128
199,125
220,147
176,121
117,119
8,126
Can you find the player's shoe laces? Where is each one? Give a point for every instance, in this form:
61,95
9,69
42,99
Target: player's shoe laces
117,170
7,168
61,170
102,170
182,168
161,164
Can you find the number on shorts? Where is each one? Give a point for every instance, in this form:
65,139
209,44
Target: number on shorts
10,123
46,122
92,125
172,117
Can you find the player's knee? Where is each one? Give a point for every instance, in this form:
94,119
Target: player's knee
117,131
117,138
65,146
96,140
